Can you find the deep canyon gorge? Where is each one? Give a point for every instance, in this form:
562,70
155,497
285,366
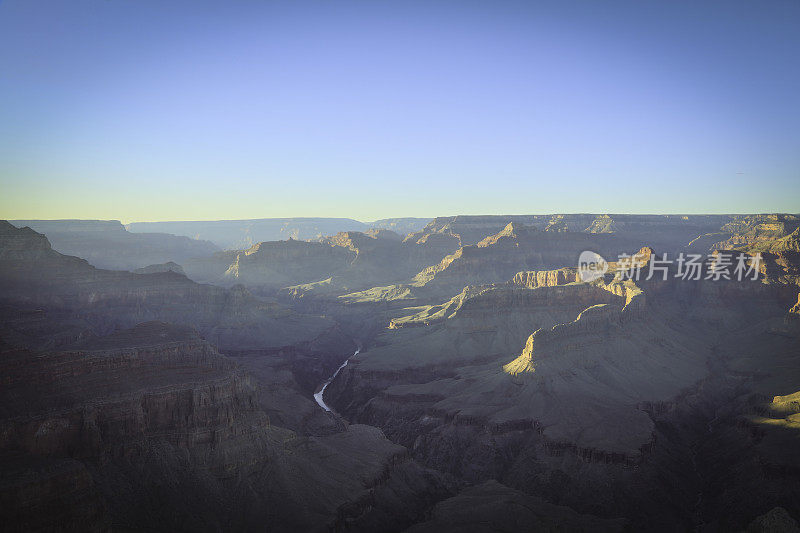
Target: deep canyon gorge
452,374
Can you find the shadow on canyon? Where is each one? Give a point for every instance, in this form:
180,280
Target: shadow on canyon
156,382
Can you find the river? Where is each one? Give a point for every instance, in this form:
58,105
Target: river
318,396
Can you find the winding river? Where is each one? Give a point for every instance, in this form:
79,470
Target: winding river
318,396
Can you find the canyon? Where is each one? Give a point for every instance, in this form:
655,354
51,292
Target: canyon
407,375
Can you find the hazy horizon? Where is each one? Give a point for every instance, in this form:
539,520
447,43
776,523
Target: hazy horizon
368,221
143,111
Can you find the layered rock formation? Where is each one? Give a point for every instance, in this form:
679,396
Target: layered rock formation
134,408
748,230
497,257
281,263
340,263
664,232
150,428
515,248
561,388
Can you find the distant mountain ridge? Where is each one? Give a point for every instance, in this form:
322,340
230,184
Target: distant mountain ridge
242,234
107,244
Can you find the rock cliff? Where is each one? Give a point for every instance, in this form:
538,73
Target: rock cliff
151,428
336,264
547,382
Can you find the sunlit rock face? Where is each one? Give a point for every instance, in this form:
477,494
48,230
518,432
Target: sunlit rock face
590,388
748,230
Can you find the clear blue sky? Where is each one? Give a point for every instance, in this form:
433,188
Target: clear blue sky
165,110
